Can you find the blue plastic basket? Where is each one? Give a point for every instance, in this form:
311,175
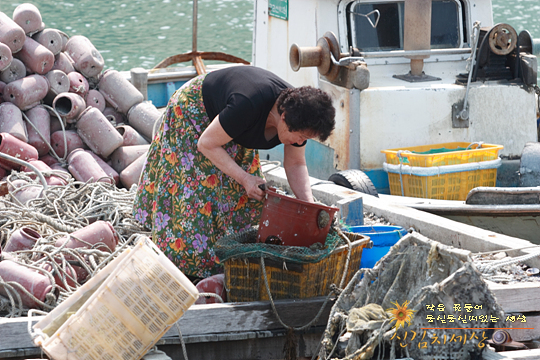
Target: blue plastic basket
383,237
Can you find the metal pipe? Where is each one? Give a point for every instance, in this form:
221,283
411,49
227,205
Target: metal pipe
417,32
404,53
464,114
194,30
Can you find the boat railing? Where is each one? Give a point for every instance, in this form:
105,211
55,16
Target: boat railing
402,53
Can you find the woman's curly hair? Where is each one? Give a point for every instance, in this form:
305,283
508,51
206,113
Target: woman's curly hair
307,109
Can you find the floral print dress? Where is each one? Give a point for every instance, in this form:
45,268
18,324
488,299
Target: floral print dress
183,197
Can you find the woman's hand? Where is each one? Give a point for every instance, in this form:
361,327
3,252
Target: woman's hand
211,145
251,184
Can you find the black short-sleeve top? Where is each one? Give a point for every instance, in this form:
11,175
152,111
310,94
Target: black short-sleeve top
243,96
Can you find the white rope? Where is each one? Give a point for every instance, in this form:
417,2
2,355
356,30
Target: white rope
63,158
184,351
487,267
60,211
440,170
206,295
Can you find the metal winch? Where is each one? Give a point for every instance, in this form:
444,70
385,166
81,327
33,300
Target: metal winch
345,69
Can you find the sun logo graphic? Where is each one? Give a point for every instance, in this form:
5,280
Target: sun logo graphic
401,314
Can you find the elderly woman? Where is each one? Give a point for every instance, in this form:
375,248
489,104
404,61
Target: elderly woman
202,175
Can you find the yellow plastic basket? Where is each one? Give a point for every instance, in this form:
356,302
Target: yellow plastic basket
121,312
244,277
454,173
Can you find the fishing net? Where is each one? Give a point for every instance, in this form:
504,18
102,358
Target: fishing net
450,306
244,244
57,212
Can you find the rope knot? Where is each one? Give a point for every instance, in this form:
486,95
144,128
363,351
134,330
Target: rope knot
335,289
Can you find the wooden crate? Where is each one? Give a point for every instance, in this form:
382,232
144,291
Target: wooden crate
244,280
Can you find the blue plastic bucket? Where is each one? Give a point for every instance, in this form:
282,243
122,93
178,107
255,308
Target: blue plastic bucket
383,237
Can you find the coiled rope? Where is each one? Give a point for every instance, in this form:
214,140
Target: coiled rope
56,212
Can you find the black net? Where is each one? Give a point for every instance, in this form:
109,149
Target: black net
244,245
434,283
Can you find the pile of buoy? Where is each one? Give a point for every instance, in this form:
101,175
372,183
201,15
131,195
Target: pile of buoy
61,113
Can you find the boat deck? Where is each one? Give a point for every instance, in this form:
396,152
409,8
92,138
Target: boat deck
251,331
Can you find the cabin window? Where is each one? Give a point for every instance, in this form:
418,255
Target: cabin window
378,25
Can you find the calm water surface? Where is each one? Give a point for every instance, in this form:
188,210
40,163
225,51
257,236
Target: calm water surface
141,33
133,33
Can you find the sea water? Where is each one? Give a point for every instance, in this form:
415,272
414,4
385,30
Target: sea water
141,33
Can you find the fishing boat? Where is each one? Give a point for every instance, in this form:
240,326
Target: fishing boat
406,74
375,111
512,211
401,74
251,330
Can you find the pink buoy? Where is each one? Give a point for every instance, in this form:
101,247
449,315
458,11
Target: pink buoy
41,166
59,167
2,86
86,59
63,62
114,116
48,159
98,133
34,282
78,84
131,136
15,71
214,284
95,99
131,174
106,167
69,274
27,92
5,57
73,141
14,147
85,168
22,239
36,57
100,235
69,106
65,38
23,191
51,39
28,17
11,121
118,91
81,273
143,117
125,155
59,83
56,124
11,33
40,118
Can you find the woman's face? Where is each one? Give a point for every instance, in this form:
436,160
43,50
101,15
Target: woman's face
292,137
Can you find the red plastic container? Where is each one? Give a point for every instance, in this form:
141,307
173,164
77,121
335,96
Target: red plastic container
294,222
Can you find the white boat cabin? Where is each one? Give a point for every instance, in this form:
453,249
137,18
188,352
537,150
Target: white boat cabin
398,72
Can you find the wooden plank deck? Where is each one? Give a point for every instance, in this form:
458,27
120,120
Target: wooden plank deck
251,331
215,331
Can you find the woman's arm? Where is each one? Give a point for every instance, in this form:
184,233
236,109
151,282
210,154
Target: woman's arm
294,162
211,145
